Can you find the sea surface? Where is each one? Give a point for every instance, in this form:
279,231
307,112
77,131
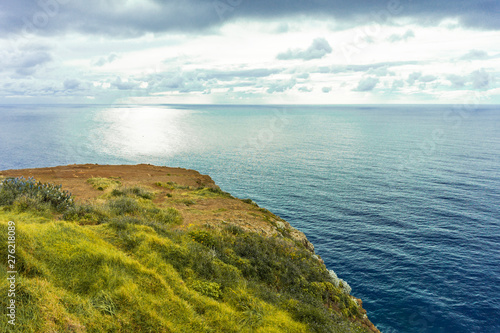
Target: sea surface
403,202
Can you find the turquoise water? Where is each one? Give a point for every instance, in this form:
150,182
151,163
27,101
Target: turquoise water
403,202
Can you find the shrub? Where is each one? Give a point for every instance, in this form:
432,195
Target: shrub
133,191
35,192
250,201
86,214
168,216
202,237
124,205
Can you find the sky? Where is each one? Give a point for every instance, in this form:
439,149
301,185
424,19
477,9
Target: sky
250,51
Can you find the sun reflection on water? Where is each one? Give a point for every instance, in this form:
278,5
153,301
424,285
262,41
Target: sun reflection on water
142,130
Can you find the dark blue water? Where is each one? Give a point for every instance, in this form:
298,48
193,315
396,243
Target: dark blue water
403,202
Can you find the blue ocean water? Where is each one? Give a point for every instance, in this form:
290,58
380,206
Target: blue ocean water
403,202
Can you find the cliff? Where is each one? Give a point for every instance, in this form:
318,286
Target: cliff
155,249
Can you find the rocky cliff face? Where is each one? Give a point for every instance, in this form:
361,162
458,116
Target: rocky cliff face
202,205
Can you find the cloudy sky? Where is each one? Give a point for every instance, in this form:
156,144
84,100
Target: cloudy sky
250,51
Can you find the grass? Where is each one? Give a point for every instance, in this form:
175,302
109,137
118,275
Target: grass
122,265
102,184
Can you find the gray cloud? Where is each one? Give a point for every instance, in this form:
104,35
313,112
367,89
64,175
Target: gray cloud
404,37
396,84
124,85
326,89
126,19
106,60
367,84
25,63
456,80
480,79
319,48
427,78
281,86
413,77
475,55
241,73
305,89
380,68
71,84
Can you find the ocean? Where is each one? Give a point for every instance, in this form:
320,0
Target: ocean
402,201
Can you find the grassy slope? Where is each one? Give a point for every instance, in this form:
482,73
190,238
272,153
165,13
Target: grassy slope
123,263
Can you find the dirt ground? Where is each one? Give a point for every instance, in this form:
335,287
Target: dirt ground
211,211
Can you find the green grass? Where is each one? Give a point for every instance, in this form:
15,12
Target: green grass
102,184
121,266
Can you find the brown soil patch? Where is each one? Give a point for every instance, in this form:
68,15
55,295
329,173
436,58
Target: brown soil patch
195,209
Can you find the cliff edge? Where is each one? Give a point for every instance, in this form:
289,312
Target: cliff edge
147,248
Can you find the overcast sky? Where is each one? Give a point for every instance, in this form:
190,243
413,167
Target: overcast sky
250,51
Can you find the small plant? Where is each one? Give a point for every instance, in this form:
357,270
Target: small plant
210,289
104,303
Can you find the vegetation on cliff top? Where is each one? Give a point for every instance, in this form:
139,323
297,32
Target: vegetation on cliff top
122,264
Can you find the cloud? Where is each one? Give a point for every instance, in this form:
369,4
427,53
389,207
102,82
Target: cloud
396,84
305,89
367,84
25,63
124,84
319,48
380,71
326,89
427,78
480,79
404,37
106,60
475,55
71,84
456,80
135,18
227,75
281,86
413,77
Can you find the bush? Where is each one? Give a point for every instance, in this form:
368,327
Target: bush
86,214
250,201
168,216
134,191
124,205
34,193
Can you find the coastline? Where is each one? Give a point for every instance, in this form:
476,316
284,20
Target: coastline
179,188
